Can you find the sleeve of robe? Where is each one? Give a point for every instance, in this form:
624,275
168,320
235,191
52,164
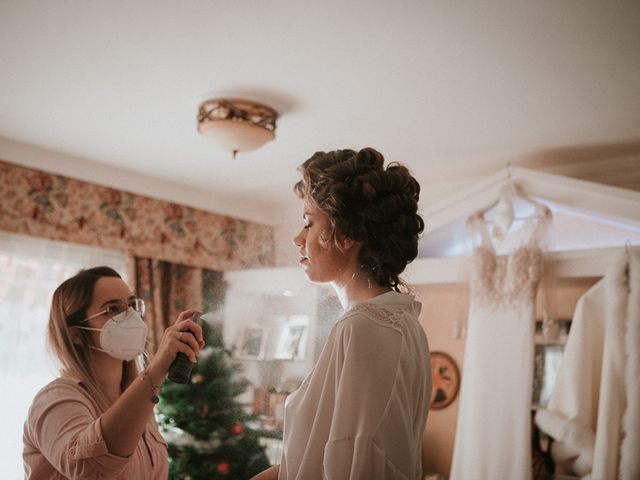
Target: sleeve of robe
571,414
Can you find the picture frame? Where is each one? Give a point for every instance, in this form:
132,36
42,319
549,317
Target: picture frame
292,339
251,343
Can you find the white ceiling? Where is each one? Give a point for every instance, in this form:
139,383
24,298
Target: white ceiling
454,89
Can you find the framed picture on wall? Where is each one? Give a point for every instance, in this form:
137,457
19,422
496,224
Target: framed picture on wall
251,343
292,338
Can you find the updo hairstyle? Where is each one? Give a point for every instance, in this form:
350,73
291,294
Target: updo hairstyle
368,203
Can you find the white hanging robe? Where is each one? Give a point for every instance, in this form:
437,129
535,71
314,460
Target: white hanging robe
593,412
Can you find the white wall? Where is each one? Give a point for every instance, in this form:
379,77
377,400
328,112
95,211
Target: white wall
283,232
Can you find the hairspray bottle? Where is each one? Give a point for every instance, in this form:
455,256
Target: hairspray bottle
180,369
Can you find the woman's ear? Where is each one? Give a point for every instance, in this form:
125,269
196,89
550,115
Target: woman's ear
346,243
76,335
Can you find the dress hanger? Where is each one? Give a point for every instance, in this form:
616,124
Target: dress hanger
505,215
515,190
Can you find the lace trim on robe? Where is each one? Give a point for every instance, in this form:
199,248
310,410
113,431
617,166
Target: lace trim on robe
388,316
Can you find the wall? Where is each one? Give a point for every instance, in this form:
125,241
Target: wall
288,226
442,306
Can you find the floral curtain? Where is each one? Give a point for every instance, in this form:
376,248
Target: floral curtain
41,204
166,289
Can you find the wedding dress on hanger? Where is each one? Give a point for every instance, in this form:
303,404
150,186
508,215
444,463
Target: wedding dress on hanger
493,433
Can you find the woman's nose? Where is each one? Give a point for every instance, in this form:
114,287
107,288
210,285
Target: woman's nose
297,240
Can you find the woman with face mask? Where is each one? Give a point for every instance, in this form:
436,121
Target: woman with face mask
96,420
361,412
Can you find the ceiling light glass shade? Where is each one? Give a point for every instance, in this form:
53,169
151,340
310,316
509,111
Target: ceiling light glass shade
235,136
236,125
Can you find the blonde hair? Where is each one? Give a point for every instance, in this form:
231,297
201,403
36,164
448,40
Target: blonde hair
71,345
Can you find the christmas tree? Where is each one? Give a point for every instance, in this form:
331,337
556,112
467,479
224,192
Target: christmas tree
205,426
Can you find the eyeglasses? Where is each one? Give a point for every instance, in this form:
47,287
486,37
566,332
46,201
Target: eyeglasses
117,308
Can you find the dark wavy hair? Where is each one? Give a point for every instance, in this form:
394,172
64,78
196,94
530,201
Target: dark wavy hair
369,203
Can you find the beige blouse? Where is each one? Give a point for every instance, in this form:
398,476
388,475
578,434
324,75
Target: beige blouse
361,412
63,440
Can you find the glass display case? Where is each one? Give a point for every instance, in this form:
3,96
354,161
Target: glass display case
549,347
276,323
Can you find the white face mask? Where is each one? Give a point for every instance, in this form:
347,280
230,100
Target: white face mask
123,336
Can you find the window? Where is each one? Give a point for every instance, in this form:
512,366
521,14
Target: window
30,270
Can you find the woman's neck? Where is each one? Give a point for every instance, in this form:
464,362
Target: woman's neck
357,288
108,373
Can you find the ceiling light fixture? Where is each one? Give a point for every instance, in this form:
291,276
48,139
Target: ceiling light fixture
236,125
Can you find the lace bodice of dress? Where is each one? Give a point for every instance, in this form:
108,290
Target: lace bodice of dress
505,280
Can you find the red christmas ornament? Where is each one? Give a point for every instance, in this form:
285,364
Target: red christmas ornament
237,429
223,468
